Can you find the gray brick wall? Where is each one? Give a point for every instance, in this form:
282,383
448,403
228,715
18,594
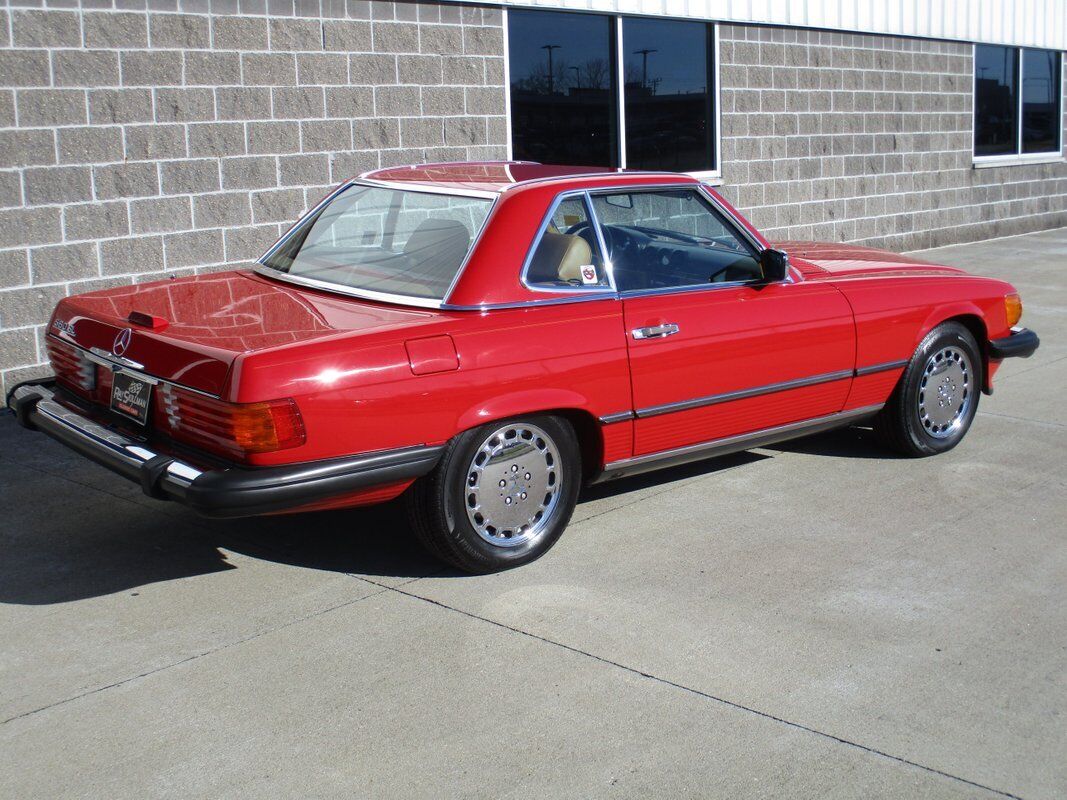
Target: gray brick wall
141,143
138,143
857,138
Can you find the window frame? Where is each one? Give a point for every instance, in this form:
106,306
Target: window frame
607,291
612,292
712,175
1017,158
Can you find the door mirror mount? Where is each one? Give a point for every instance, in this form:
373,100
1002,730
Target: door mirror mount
775,265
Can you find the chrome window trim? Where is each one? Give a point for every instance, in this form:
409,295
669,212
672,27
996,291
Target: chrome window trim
729,218
367,294
560,198
109,360
742,394
581,297
426,188
562,295
363,294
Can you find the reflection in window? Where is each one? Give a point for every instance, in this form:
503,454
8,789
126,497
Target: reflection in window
995,103
669,238
668,82
563,95
1041,101
1012,85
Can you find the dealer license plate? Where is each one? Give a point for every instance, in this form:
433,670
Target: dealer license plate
130,397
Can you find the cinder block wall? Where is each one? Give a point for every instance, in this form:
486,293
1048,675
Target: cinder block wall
140,144
856,138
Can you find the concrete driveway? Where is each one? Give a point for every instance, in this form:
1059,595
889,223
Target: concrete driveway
820,619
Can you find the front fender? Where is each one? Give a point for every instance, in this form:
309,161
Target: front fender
975,318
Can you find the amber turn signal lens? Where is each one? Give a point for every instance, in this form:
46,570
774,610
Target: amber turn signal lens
1013,307
266,427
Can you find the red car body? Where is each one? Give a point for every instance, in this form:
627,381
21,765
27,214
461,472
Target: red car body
375,382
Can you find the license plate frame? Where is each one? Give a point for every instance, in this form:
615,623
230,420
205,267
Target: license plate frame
131,397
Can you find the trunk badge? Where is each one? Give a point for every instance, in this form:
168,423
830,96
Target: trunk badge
122,341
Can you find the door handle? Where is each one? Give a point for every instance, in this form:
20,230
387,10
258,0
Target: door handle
656,331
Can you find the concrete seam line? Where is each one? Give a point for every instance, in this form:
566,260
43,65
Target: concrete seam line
729,703
1039,422
197,656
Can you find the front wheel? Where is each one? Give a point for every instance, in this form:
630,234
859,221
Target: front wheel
501,495
934,404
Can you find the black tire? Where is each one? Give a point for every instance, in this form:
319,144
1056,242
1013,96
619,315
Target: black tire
438,503
905,423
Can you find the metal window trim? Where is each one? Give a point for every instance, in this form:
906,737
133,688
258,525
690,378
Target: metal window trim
1018,157
729,218
509,150
559,199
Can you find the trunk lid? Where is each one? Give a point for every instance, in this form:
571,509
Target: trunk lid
207,321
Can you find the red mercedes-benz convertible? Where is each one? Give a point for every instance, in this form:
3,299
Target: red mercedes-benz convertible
489,337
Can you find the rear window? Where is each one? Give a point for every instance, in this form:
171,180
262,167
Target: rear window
392,241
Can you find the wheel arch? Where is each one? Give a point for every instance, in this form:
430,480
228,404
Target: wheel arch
970,317
569,405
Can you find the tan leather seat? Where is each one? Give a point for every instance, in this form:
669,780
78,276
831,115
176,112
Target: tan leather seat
559,257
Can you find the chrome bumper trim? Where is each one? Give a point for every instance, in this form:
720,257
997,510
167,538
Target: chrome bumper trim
119,453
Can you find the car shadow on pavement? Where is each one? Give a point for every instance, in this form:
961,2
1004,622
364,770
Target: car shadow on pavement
854,442
73,539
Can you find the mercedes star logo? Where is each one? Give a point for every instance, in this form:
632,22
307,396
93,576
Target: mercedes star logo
122,341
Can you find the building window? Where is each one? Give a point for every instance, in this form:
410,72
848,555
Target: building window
599,90
669,86
1016,101
564,103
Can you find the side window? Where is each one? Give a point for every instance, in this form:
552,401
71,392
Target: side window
668,238
567,253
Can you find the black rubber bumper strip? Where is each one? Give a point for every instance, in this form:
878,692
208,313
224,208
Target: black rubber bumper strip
248,492
233,492
1021,344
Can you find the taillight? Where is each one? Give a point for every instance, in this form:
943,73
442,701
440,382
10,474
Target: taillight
234,430
71,365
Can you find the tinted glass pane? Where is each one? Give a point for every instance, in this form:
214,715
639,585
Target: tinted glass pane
563,95
1041,101
669,89
398,242
995,101
662,239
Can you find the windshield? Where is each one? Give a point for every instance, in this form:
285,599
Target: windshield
385,240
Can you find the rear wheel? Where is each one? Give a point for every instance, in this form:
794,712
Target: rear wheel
935,402
501,496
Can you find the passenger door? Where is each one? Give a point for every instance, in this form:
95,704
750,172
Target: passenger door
713,352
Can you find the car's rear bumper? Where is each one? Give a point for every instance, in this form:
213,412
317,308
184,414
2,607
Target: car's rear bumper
1020,344
235,492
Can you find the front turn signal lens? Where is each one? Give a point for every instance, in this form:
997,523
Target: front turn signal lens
1013,308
